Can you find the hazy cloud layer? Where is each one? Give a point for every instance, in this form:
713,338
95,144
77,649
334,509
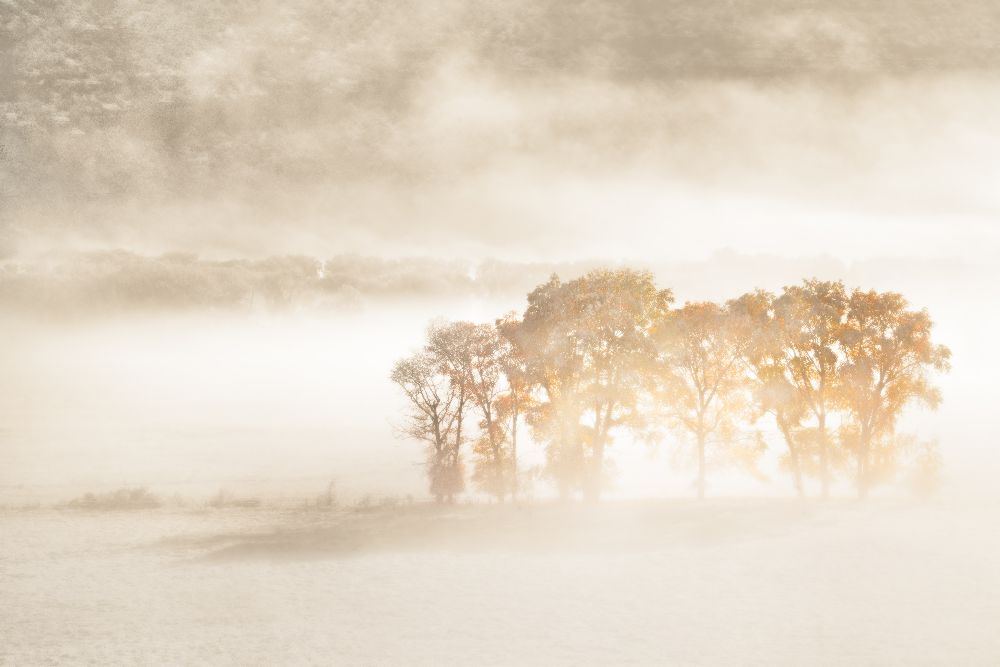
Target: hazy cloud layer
459,129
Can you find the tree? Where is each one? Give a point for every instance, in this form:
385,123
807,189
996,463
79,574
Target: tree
434,417
603,353
767,367
586,344
473,355
810,319
553,364
889,359
700,379
494,456
517,400
615,313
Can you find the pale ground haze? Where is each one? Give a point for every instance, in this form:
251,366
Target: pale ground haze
221,223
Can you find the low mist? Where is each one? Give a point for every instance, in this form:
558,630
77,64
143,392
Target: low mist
190,376
464,332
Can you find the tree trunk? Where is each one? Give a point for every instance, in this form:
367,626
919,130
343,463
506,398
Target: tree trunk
863,448
496,451
458,424
513,454
701,465
578,472
592,480
592,491
793,455
824,456
562,469
457,453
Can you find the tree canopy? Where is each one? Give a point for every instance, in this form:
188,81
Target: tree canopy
830,369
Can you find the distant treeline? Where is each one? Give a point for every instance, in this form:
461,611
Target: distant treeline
99,283
118,280
831,369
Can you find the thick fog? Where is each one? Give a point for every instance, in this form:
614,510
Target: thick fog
515,130
222,223
192,376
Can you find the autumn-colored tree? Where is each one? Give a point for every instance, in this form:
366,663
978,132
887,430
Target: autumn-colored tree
810,319
517,400
495,454
591,356
586,343
554,366
435,410
616,311
889,359
473,355
766,365
701,383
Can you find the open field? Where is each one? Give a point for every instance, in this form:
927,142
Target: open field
667,582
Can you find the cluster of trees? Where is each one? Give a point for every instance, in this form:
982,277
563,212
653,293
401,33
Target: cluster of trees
832,370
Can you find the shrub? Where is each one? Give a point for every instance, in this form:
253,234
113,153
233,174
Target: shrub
121,499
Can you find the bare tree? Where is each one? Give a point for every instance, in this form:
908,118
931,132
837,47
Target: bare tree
434,417
472,355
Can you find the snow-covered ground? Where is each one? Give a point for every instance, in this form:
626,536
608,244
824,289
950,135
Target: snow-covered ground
666,583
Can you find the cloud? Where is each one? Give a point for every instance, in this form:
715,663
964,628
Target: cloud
520,129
